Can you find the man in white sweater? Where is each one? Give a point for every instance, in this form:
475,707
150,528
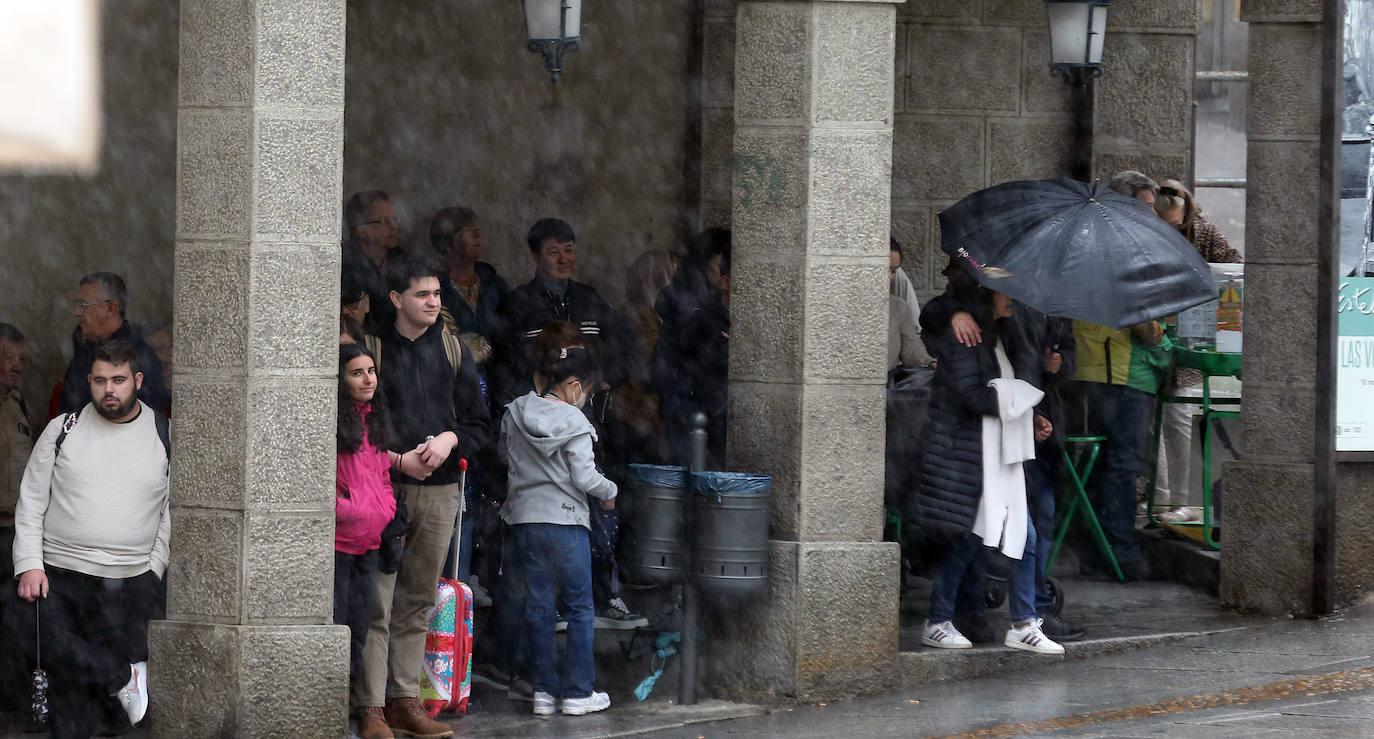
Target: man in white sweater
90,549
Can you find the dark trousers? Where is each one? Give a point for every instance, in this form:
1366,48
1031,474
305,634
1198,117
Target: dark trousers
509,648
604,535
90,630
14,688
1122,414
355,587
1041,475
558,561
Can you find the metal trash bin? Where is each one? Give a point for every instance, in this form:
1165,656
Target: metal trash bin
730,534
654,514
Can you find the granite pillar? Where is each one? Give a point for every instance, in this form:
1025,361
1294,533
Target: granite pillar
811,185
248,648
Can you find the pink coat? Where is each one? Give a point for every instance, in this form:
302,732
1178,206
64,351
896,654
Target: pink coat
364,502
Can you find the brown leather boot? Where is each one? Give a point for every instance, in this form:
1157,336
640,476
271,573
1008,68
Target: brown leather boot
407,718
372,724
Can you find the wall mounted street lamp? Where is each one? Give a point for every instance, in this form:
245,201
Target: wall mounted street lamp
1078,29
554,28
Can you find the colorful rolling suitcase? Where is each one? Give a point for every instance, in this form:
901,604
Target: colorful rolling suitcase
446,681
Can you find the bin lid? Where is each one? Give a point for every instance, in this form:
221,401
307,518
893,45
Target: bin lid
660,475
730,483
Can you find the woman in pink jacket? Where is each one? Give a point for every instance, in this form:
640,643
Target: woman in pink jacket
364,502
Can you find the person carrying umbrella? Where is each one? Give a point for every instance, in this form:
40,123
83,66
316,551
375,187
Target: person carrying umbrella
1082,251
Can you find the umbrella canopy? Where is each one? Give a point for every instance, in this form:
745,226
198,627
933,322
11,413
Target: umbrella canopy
1071,249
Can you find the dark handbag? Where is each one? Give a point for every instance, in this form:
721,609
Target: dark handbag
394,540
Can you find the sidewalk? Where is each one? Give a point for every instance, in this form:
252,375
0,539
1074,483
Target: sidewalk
1279,677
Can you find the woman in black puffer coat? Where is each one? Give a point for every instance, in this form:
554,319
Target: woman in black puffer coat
950,466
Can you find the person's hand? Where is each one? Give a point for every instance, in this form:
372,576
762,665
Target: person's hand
1054,361
1043,428
434,452
33,585
412,466
966,329
608,505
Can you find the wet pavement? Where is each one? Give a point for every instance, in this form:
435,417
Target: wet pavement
1280,677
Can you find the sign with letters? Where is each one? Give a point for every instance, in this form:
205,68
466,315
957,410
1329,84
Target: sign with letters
1355,365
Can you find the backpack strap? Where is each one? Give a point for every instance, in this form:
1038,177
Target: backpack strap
452,350
68,423
164,433
374,346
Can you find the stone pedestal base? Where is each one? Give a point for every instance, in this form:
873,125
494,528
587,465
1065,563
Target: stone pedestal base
259,681
826,628
1266,555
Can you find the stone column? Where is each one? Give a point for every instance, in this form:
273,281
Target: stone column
812,181
248,648
1266,562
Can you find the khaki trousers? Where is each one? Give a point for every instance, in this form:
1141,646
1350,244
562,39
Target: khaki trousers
395,651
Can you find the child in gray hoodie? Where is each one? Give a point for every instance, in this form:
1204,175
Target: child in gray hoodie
547,442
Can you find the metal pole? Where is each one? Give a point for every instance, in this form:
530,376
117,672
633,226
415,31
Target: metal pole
691,606
1081,100
1328,277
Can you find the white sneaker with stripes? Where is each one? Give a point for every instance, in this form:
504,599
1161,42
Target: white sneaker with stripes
943,635
1030,638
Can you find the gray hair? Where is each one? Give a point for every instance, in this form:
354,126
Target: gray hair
111,288
1131,183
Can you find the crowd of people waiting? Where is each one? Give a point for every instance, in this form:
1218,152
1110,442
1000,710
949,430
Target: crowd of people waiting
549,393
988,461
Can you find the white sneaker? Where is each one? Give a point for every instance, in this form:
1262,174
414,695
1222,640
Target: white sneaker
1031,639
591,704
543,704
134,695
1181,514
944,636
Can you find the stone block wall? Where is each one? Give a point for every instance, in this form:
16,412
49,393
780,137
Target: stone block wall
975,105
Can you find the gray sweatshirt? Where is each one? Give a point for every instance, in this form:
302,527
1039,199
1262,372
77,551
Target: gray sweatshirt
548,445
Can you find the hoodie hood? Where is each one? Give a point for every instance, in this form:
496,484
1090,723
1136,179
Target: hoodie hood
548,423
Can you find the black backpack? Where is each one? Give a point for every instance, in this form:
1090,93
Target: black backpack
160,421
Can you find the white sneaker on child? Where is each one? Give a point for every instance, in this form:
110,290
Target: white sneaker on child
1030,638
591,704
134,695
943,635
543,704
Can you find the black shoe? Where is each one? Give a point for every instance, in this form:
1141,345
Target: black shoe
1135,570
976,630
1060,630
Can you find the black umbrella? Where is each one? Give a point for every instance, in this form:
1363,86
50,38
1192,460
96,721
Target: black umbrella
1067,248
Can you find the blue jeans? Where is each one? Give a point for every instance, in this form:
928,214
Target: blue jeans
959,579
558,558
1041,475
1122,414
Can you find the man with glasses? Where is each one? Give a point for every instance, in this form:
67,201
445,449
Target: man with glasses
99,307
370,232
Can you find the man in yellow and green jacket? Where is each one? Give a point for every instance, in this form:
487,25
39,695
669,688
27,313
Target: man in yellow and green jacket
1120,371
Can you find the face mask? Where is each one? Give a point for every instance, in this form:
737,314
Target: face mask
581,398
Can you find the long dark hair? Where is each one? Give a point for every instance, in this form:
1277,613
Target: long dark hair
350,434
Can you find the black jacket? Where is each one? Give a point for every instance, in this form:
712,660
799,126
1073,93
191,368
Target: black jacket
690,366
426,399
491,289
360,267
949,465
523,314
76,389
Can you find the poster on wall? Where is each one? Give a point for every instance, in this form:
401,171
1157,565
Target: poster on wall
1355,365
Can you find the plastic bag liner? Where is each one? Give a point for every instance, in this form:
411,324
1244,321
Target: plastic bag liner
730,483
655,474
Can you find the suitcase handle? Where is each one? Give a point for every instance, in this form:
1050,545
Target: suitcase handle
458,525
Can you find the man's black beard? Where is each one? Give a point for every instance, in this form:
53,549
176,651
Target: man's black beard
120,411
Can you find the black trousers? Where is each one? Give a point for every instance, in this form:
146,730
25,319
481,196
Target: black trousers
355,587
14,672
90,630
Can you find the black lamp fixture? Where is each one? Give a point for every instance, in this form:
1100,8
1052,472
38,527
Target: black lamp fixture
554,28
1078,29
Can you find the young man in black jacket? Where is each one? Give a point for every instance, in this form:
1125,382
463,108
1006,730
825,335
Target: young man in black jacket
438,416
525,310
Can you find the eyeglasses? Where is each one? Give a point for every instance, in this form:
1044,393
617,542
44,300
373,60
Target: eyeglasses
81,306
380,221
